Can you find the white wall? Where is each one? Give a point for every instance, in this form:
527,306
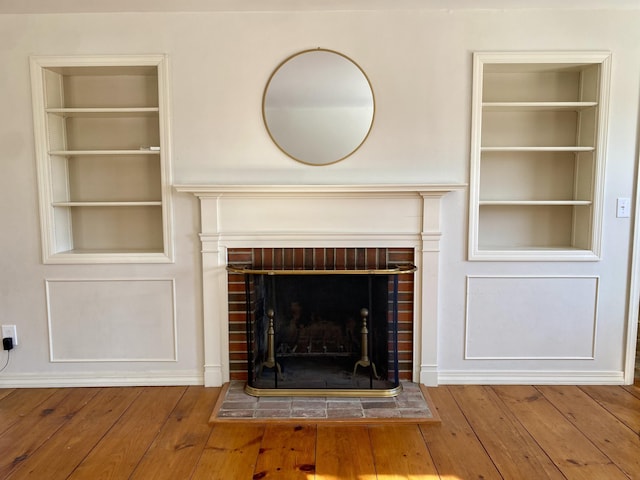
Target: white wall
419,63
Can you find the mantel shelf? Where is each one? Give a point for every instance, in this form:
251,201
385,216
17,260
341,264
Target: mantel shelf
216,190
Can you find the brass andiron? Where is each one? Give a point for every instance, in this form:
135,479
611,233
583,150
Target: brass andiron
364,346
270,362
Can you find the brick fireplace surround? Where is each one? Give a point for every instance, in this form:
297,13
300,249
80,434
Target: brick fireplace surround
318,259
319,217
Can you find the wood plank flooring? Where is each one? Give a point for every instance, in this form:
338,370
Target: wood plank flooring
487,432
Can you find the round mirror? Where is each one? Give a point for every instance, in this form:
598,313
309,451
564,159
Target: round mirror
318,106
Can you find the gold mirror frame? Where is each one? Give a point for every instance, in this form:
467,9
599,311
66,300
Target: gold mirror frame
318,99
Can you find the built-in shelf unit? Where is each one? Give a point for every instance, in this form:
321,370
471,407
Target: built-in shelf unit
537,155
102,146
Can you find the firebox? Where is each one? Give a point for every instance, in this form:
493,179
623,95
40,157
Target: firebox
314,330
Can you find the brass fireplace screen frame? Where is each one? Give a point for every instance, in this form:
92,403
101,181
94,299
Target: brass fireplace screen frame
271,360
395,270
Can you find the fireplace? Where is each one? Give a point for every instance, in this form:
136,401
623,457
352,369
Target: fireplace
323,321
309,218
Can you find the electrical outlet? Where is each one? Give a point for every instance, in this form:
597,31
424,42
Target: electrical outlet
10,331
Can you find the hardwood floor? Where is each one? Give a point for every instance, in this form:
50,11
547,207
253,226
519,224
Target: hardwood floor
487,432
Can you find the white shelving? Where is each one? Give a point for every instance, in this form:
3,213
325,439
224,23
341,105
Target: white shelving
102,144
537,155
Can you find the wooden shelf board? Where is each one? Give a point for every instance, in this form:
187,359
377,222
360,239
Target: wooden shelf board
103,152
535,202
129,251
104,112
108,204
536,106
537,149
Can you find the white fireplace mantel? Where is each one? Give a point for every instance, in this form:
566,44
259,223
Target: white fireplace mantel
305,216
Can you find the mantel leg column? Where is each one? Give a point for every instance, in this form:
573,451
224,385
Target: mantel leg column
427,330
215,313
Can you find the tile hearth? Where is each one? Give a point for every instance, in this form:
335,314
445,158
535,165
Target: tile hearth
410,405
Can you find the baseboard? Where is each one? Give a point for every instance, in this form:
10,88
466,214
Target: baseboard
214,377
109,379
428,375
520,377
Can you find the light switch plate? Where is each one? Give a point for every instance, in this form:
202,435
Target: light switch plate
623,205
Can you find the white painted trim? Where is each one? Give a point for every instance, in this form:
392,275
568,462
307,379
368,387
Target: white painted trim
595,319
292,240
529,377
428,375
52,252
166,155
633,307
201,191
174,317
213,376
101,379
96,258
480,59
420,232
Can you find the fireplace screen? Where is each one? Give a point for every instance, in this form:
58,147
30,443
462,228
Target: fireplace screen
327,332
